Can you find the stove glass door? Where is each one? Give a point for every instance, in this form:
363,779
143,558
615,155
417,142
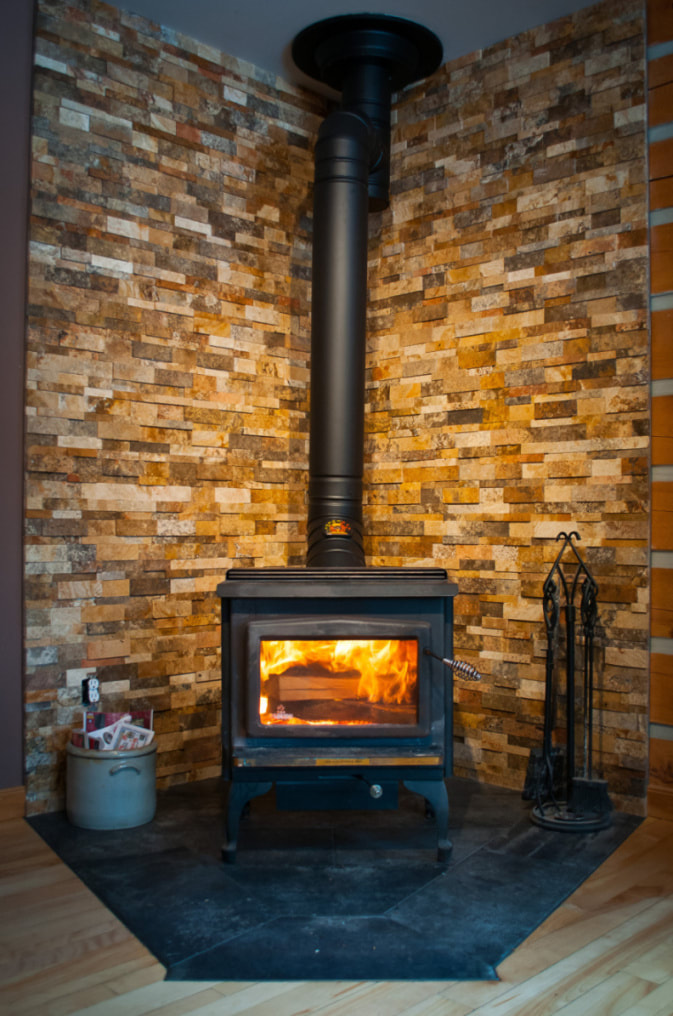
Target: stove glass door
338,677
338,682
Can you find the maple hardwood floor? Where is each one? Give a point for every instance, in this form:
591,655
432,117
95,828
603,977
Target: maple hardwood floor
607,950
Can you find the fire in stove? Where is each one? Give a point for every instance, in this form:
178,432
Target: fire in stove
319,682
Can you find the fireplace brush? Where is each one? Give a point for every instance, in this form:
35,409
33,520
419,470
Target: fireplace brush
465,670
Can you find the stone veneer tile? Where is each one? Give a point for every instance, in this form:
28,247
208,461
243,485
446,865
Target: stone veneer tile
166,365
524,216
167,368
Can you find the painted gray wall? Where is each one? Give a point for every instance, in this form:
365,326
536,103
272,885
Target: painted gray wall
15,91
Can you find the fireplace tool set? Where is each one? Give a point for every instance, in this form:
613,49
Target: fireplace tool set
563,799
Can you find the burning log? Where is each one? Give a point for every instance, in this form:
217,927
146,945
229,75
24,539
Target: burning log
293,687
342,712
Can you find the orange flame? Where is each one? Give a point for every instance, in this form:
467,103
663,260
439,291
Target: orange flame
382,671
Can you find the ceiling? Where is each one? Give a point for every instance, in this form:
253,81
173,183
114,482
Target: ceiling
261,31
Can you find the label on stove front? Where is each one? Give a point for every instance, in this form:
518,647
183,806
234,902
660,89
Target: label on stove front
337,527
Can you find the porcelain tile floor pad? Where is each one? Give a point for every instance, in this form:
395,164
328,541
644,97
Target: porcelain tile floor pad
333,895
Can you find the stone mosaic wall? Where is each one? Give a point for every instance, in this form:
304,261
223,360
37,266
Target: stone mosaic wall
167,368
509,377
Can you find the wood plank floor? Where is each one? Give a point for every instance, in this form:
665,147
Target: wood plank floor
607,950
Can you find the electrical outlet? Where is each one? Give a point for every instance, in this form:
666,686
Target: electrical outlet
90,691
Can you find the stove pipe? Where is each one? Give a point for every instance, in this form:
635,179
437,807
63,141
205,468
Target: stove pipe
366,57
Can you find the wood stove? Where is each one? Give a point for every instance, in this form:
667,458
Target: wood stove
330,688
329,691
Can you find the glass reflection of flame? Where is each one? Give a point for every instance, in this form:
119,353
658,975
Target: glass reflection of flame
379,671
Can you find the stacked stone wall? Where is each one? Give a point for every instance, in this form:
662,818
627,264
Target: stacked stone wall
166,369
508,381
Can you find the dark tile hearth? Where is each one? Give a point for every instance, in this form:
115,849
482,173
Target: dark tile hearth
348,894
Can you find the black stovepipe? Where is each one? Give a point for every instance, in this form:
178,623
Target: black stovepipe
345,150
366,57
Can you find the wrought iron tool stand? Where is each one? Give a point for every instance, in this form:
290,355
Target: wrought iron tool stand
567,801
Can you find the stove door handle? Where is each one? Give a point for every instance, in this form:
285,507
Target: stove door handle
465,669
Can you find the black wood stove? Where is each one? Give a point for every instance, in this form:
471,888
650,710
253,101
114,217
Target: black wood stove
328,691
330,686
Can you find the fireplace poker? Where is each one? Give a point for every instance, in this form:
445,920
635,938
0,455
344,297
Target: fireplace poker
466,670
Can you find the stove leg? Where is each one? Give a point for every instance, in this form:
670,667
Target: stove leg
238,796
435,793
